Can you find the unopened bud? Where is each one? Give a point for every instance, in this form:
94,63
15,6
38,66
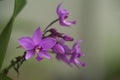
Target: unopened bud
53,30
67,38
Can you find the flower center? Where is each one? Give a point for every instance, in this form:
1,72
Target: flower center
37,49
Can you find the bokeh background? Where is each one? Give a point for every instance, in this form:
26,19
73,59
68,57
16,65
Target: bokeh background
98,25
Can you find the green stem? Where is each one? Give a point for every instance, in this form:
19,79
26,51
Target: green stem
50,25
19,61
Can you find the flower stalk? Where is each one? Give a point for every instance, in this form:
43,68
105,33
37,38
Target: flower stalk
50,25
15,64
41,45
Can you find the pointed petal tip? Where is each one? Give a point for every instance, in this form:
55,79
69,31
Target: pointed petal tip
37,35
38,29
38,58
29,54
84,65
58,8
26,42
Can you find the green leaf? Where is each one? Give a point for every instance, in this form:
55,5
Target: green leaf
5,34
4,77
19,5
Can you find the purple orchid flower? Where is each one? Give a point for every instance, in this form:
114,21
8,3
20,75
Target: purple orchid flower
62,51
63,15
61,48
77,53
38,45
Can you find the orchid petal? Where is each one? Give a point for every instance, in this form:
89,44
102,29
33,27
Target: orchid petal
62,41
77,43
63,15
60,11
77,63
48,43
37,36
44,54
58,49
65,22
38,58
29,54
27,43
82,64
58,8
67,49
63,58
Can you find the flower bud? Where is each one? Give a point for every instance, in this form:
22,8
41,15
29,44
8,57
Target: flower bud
53,30
67,38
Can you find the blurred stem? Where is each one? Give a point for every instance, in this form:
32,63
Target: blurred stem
50,25
15,64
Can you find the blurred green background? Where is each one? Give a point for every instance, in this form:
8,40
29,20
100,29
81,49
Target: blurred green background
97,25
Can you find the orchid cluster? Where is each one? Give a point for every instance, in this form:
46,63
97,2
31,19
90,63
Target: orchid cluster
42,43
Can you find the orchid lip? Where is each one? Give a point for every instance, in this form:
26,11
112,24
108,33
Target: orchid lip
37,49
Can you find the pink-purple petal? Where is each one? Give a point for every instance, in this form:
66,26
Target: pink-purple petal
77,63
37,36
44,54
58,8
77,43
26,42
60,11
29,54
48,43
64,58
67,49
58,49
38,58
62,41
63,15
65,22
82,64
